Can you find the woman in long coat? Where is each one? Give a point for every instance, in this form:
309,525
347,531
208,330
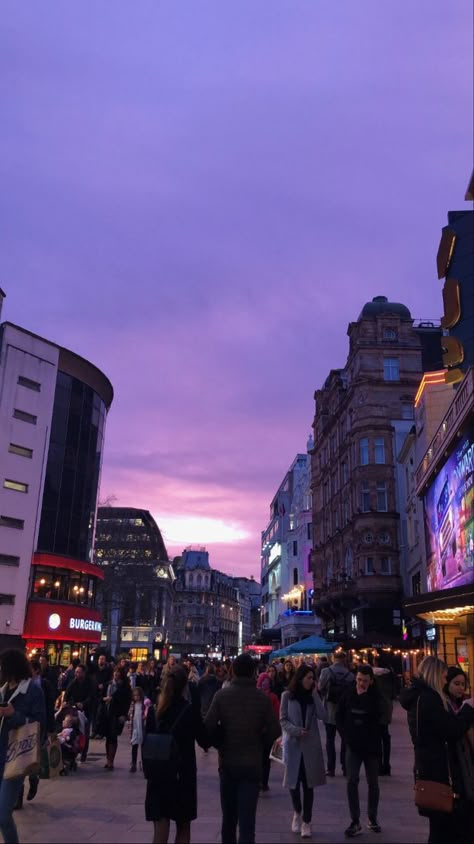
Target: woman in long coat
168,798
301,708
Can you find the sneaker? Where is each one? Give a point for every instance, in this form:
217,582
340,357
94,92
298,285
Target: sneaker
374,825
306,830
353,830
296,822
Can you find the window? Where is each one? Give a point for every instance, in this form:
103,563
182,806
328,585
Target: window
336,518
365,497
295,577
385,565
9,560
7,599
416,584
27,382
333,444
364,451
346,511
309,561
384,538
344,472
7,521
334,483
407,410
369,565
308,530
391,369
24,416
295,547
20,450
16,485
379,450
390,334
368,537
382,496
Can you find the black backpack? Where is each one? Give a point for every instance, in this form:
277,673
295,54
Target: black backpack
337,686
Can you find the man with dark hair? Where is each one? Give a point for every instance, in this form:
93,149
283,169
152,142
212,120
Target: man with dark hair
358,720
333,682
241,721
80,694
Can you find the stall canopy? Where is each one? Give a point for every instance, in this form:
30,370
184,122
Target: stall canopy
281,652
311,645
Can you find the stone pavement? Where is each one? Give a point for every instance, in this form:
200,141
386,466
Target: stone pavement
95,805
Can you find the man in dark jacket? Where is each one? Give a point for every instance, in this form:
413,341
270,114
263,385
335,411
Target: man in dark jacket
101,675
358,720
243,718
80,693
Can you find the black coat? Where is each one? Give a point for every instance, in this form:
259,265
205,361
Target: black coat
170,799
358,719
116,709
438,731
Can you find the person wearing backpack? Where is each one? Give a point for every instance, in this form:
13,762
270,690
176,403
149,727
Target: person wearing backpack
333,682
170,764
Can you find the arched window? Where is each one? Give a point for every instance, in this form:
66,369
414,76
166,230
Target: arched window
191,579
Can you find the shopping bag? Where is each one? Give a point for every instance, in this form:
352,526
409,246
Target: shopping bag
276,753
50,759
23,752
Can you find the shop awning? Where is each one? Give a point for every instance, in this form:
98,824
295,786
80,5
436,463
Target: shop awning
443,606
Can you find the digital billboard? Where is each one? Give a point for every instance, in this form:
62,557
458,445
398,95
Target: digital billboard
449,520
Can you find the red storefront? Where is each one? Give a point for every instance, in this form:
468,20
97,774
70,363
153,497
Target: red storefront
61,619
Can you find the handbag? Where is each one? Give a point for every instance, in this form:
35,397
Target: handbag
50,759
23,751
160,752
433,796
276,752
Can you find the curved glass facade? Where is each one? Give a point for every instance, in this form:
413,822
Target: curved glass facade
73,469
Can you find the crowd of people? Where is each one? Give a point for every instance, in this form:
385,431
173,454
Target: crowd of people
252,713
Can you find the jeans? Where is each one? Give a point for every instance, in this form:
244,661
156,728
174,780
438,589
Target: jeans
308,794
386,746
331,748
354,761
239,797
9,792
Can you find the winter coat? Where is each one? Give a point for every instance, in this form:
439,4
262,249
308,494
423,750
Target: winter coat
176,799
247,724
117,709
81,691
208,686
296,747
28,702
435,732
327,675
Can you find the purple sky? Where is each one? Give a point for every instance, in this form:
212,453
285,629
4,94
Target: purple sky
199,197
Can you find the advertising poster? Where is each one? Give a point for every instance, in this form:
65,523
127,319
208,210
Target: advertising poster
449,520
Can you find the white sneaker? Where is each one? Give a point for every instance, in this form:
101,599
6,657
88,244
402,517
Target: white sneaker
296,822
306,831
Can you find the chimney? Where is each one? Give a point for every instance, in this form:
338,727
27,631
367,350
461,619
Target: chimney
2,297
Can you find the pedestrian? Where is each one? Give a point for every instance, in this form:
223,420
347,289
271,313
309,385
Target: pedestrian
208,686
455,688
174,797
333,682
385,683
436,729
117,702
240,721
80,693
137,716
276,685
21,701
301,708
101,676
288,673
49,699
263,683
358,720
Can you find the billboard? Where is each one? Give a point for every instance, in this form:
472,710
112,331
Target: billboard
449,520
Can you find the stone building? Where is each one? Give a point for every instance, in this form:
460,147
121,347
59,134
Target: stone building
206,608
363,413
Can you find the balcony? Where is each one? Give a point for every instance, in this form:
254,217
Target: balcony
460,407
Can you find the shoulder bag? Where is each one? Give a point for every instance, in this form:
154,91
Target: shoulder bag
160,752
429,795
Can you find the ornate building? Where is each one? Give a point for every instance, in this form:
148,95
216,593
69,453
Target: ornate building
363,414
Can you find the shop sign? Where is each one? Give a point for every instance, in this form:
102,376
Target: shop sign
430,634
85,624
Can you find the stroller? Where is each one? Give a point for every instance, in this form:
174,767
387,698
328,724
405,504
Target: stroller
72,736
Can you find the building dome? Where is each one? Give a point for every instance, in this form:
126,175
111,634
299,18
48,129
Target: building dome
380,305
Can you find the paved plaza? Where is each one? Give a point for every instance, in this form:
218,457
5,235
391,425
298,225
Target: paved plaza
95,805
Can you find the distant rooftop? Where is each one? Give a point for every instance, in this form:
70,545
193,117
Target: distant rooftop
380,305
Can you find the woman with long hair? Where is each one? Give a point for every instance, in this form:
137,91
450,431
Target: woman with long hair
275,684
288,673
300,710
21,701
117,700
167,798
456,686
435,729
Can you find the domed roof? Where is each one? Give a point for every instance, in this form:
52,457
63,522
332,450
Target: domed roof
381,305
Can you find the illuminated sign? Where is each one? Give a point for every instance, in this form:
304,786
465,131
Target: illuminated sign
275,552
430,634
54,621
449,520
85,624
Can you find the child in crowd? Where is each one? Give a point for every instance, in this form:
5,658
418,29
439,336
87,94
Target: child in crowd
137,718
69,740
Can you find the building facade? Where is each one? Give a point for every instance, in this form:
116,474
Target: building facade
363,415
138,589
53,407
287,580
207,615
249,602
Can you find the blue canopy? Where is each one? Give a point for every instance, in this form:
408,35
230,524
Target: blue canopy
280,652
311,645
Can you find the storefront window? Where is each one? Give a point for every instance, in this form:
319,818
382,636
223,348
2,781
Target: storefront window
64,585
